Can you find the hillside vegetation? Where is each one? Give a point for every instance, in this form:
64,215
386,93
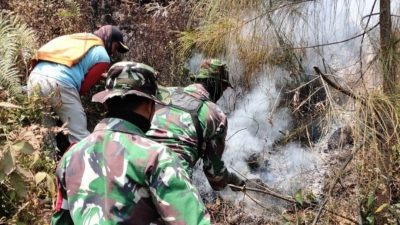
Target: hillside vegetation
362,185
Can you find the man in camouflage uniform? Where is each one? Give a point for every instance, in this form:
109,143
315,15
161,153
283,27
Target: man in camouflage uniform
118,176
194,127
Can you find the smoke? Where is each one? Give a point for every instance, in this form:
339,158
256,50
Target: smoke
194,62
343,23
255,124
292,168
253,128
255,119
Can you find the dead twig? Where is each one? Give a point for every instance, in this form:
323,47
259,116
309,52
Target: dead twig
235,133
267,192
337,87
307,99
353,96
361,45
338,42
303,85
20,209
287,199
290,199
275,105
255,200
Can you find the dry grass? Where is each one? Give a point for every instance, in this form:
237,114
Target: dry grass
224,212
210,38
247,25
152,37
368,187
52,19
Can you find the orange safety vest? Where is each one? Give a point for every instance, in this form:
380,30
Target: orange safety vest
67,50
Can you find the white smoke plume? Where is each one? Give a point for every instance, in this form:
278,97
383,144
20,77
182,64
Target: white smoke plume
255,121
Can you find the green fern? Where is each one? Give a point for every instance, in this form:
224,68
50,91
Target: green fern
8,77
17,44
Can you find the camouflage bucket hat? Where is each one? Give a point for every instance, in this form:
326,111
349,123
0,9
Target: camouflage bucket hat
129,78
214,69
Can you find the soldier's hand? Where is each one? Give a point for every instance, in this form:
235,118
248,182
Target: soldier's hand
235,180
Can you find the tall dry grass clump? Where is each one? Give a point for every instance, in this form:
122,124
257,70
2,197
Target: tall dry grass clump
248,26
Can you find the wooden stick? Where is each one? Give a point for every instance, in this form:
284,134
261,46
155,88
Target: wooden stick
276,195
288,199
337,87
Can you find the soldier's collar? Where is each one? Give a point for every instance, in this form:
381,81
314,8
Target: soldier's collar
118,125
136,119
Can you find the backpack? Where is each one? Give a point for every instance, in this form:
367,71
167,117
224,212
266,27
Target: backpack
188,103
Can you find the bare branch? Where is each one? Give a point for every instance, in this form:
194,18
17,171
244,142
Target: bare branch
338,42
361,45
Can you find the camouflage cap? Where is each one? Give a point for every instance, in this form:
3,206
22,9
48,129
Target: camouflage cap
129,78
214,69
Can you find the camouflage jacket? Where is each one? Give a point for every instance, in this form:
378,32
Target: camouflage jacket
118,176
175,128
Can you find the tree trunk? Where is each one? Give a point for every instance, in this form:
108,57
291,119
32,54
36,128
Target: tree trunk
389,83
389,75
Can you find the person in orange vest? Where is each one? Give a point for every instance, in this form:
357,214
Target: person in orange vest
68,66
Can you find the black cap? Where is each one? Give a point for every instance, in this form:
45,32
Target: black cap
116,35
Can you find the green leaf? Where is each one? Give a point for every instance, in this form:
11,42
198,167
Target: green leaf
298,220
23,146
371,220
299,197
311,197
13,195
7,164
36,157
286,220
39,177
382,207
371,201
18,184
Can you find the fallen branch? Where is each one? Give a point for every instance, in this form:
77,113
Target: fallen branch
352,95
337,87
338,42
271,193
